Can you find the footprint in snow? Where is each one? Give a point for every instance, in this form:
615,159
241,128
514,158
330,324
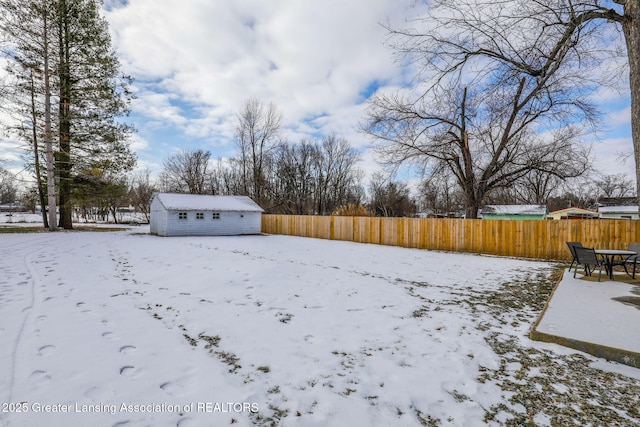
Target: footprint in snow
108,335
170,387
186,422
46,350
127,349
127,370
97,394
39,376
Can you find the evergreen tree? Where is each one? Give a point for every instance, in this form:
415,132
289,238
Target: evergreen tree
70,38
93,95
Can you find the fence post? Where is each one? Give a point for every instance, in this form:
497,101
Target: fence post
332,232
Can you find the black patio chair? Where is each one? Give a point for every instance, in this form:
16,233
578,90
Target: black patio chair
571,246
633,259
588,258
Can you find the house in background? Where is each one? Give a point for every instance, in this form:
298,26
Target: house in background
203,215
514,212
573,213
618,208
618,212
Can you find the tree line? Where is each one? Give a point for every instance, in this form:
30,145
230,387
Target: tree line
113,199
307,177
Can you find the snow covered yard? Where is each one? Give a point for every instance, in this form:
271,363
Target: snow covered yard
128,329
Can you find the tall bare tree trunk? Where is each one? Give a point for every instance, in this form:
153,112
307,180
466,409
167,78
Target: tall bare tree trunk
51,183
36,154
631,27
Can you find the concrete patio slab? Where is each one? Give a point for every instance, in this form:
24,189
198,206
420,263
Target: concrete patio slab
599,318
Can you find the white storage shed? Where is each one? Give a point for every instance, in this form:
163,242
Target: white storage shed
203,215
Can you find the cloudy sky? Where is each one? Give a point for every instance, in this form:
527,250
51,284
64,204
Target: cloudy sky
195,63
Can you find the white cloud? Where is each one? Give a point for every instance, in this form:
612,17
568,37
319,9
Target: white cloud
614,156
310,58
619,118
159,109
10,151
138,143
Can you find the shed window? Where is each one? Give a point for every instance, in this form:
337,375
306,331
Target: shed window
216,215
199,215
182,215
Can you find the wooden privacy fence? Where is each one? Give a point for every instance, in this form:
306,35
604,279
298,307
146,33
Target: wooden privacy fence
536,239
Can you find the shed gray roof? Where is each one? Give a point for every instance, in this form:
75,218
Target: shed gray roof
201,202
514,210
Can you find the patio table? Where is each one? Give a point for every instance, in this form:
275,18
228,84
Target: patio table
609,256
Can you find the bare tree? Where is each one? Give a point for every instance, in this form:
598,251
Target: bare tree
338,179
500,93
186,172
256,135
296,171
30,199
389,198
439,195
226,177
536,187
141,190
615,185
580,192
315,177
8,189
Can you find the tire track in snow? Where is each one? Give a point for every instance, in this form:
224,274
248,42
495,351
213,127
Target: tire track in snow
33,279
